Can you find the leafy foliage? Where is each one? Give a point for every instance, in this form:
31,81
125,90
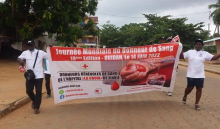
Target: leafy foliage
210,49
150,32
110,35
216,13
33,17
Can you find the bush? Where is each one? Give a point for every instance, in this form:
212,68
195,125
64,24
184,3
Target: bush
210,49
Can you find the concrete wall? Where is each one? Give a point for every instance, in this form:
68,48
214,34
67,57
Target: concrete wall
45,38
41,43
17,46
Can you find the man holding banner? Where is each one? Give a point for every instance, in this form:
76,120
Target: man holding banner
169,40
195,71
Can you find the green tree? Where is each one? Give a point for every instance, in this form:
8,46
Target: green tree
165,26
75,31
216,13
150,32
33,17
157,26
110,35
133,34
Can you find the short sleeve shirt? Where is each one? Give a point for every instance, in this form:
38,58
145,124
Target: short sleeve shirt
30,56
196,61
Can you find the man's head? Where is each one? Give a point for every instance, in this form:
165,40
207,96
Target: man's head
198,44
169,39
30,44
162,40
67,45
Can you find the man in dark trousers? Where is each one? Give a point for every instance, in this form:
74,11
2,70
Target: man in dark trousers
47,77
29,57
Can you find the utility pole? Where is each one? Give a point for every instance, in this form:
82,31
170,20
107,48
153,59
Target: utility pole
215,29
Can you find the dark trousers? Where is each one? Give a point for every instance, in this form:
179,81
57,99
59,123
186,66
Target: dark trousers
47,83
37,83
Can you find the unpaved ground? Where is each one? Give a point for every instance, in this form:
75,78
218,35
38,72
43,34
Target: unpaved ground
12,83
149,110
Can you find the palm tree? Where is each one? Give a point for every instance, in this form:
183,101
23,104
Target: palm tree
216,14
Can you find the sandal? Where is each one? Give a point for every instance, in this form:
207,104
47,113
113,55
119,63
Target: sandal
184,100
197,107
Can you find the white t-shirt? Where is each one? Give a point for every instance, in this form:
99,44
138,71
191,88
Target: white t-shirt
46,67
30,58
196,61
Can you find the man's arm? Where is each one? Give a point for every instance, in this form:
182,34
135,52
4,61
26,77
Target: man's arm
215,57
181,55
21,61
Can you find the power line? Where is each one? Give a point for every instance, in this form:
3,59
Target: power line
118,15
144,17
191,14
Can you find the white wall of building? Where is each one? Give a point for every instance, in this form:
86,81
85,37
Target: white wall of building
44,38
17,46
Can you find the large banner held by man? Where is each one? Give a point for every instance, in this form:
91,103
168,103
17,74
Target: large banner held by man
100,72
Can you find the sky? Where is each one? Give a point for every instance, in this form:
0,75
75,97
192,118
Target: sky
121,12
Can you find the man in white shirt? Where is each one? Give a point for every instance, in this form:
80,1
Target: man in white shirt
169,39
47,77
195,71
28,57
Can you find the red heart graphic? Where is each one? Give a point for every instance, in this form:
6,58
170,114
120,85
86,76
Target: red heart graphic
140,68
115,86
96,90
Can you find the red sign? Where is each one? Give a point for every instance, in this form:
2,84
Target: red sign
112,54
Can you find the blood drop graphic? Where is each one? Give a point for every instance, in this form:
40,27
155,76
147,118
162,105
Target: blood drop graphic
140,68
115,86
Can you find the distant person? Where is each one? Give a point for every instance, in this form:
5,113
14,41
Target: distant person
162,40
169,39
67,45
195,72
33,57
47,77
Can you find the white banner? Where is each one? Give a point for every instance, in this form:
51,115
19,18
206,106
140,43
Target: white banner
100,72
